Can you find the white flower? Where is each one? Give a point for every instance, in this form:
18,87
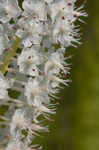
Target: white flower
55,63
58,9
36,8
19,121
63,33
63,15
9,9
78,12
48,1
53,67
4,85
30,31
28,61
43,110
16,145
53,83
36,92
24,119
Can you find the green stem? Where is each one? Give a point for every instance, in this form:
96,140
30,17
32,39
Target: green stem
10,55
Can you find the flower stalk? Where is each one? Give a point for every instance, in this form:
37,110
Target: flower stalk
10,55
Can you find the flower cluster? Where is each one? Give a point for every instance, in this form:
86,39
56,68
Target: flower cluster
36,66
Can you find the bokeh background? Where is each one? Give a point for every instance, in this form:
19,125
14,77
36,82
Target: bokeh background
76,125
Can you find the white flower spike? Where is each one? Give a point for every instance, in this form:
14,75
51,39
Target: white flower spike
33,39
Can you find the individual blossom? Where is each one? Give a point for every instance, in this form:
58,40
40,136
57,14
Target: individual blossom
16,145
23,119
43,109
9,9
34,8
28,61
13,145
53,84
19,122
48,1
59,9
31,31
53,67
64,33
55,63
63,15
36,92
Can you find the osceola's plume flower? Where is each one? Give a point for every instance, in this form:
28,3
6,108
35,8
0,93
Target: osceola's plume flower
29,60
9,9
33,41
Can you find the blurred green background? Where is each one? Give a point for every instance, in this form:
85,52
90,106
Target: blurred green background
76,125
